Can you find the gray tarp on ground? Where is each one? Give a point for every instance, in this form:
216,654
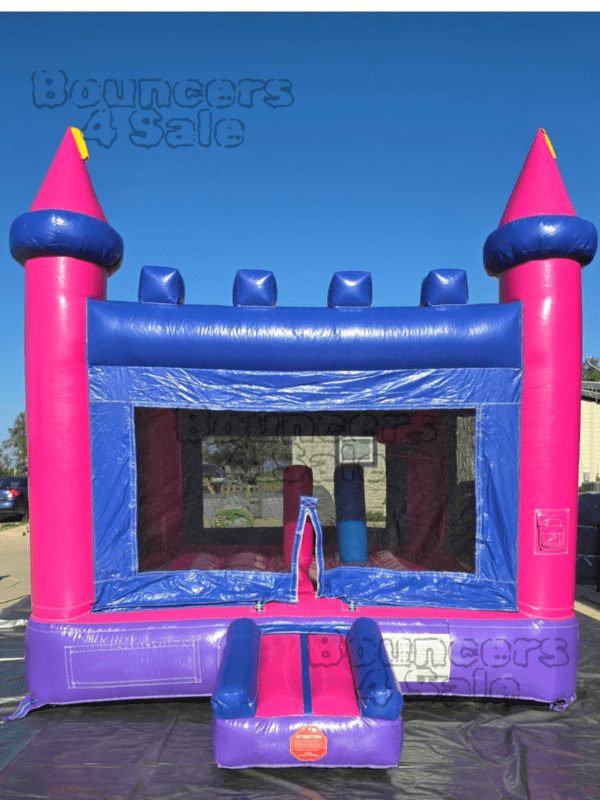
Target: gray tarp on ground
453,749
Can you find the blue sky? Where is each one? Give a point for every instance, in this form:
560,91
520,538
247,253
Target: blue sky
397,155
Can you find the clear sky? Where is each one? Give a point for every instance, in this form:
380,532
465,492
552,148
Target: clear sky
389,142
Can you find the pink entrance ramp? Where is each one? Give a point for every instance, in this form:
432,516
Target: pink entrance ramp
306,697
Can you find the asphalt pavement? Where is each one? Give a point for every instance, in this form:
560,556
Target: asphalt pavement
15,582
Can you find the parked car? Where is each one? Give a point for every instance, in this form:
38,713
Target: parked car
14,498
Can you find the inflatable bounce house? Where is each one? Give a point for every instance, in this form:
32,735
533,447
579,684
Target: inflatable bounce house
305,513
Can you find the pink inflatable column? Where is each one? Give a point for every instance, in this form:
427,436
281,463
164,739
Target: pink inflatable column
64,217
297,481
544,238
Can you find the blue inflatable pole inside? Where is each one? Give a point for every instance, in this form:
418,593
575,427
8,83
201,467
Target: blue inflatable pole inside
350,511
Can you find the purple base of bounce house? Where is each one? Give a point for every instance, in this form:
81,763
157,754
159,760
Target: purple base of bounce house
523,659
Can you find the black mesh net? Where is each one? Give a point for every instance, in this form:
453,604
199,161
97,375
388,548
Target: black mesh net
212,487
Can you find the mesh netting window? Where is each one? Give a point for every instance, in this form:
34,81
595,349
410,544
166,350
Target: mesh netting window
217,489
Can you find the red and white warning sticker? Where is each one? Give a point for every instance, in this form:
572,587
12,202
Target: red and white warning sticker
308,743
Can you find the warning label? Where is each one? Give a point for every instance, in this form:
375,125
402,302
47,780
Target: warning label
308,743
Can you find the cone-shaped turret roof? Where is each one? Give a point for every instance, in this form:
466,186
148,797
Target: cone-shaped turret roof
66,218
539,222
67,186
539,188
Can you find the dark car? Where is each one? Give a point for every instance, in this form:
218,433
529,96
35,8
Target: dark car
13,498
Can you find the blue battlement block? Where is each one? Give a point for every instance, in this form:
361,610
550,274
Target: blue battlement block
350,290
254,287
161,285
445,287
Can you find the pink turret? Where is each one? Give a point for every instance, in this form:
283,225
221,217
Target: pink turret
61,271
538,255
67,184
539,188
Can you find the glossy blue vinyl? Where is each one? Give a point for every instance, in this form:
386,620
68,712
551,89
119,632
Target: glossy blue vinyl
55,232
293,339
541,237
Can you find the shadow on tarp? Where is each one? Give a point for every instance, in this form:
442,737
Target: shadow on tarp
453,749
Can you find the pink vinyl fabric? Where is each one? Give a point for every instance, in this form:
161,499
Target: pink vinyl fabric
331,679
539,188
550,291
551,295
67,184
280,688
60,503
280,677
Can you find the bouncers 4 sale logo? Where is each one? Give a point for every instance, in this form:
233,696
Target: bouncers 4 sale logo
184,113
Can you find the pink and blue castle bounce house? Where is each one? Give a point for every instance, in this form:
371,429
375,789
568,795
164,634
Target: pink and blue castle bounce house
422,536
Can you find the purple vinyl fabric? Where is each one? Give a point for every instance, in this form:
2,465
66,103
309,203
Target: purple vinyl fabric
68,663
524,659
266,742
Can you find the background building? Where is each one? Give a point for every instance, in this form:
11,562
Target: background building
589,447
